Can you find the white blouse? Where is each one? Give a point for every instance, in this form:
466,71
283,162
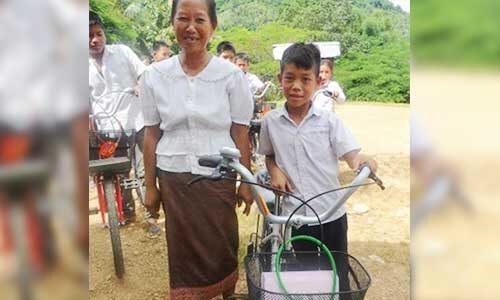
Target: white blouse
194,113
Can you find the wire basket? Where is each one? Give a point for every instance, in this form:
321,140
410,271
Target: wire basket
124,144
353,279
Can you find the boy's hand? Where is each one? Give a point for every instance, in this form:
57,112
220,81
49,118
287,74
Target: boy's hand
355,160
365,159
245,194
280,181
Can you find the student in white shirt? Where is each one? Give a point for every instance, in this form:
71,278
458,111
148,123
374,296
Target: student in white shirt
243,62
161,51
115,68
225,50
303,146
321,100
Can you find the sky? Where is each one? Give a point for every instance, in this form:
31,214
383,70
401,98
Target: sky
405,4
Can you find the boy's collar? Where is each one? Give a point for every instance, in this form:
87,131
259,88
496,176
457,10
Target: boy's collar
313,110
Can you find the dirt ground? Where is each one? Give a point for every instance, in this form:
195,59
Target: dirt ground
379,237
457,252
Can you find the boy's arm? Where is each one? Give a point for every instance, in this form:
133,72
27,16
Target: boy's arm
279,179
354,159
339,93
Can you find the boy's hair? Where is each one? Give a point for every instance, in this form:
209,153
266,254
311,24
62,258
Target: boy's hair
304,56
225,46
212,11
243,56
329,63
94,19
158,44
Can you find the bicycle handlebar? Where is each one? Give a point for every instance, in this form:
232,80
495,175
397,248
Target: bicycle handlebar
229,160
267,85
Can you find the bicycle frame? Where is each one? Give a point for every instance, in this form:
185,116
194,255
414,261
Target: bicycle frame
229,159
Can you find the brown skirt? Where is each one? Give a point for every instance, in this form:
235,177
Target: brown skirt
202,236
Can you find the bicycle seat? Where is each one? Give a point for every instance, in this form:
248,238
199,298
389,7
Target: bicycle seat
112,165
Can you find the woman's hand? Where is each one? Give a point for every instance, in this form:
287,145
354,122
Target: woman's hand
152,197
245,194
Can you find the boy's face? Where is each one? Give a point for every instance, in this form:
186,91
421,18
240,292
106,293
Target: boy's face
97,40
227,55
161,54
325,74
298,85
243,65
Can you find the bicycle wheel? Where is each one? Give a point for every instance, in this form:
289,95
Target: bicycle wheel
114,229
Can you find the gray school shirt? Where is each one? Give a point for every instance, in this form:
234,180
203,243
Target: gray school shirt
308,154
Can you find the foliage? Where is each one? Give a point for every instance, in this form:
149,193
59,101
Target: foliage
374,36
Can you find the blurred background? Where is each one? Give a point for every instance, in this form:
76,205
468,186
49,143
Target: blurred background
43,149
455,151
455,77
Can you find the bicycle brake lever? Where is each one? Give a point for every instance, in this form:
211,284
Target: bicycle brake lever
377,180
372,176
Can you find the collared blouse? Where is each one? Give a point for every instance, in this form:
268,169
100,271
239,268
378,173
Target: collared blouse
195,113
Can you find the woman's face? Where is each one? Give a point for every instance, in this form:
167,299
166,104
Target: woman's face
192,25
325,74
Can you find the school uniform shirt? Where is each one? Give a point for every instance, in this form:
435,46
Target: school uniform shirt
121,69
324,102
308,153
195,113
254,82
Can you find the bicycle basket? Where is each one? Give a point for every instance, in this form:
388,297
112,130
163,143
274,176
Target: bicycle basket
305,283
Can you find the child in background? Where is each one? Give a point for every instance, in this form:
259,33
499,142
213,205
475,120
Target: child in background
332,87
303,146
226,50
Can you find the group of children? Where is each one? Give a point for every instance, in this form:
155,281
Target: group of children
328,90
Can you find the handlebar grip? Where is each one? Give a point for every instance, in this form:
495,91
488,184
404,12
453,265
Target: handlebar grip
372,176
211,161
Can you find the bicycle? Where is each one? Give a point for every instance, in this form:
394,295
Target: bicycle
24,175
107,173
260,264
259,109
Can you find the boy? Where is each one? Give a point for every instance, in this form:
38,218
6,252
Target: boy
226,50
302,145
161,51
243,62
116,68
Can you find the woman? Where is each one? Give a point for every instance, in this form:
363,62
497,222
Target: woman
201,103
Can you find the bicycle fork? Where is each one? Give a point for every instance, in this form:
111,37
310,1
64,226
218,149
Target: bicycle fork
102,198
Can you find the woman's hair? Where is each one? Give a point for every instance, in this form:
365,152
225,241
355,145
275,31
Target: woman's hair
211,11
304,56
329,63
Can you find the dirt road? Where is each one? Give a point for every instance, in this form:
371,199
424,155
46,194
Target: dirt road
379,238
